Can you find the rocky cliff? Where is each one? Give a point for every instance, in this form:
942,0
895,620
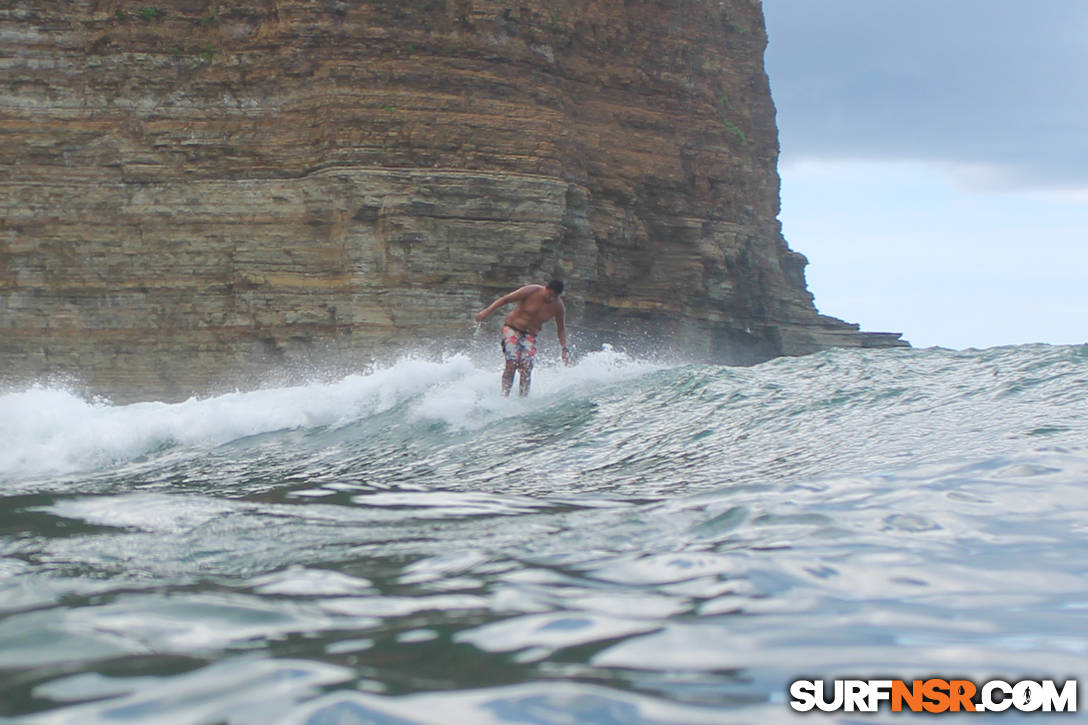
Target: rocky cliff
194,192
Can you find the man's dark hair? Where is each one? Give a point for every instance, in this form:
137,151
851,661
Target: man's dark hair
557,285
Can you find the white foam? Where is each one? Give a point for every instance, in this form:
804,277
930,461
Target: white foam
477,400
46,431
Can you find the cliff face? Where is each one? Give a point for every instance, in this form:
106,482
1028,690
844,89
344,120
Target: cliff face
196,191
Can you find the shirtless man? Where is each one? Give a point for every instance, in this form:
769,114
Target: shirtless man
536,305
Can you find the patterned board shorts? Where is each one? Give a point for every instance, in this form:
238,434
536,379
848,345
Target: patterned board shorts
518,346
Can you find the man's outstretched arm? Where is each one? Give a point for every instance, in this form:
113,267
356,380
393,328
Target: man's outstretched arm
514,296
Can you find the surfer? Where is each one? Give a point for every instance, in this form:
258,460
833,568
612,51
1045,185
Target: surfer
536,305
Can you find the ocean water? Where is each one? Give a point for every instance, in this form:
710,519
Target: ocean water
636,542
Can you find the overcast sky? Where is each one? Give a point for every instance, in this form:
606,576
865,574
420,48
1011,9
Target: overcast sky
935,164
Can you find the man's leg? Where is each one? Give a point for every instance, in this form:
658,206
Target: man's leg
526,369
508,376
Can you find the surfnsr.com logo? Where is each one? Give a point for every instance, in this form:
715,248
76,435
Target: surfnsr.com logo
934,695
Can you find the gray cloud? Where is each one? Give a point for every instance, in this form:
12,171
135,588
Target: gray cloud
975,82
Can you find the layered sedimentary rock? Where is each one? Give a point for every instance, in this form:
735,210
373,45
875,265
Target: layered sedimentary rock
195,193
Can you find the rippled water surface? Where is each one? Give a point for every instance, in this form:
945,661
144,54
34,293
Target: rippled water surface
635,542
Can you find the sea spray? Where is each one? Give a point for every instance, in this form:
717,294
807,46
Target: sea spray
46,431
